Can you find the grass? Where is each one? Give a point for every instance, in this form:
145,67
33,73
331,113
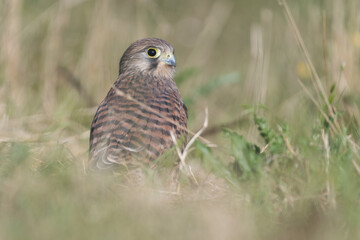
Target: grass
281,86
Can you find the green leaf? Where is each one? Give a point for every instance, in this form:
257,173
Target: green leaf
247,155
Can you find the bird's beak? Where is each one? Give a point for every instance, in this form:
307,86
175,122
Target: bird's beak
169,59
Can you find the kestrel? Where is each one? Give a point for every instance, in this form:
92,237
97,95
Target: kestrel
133,123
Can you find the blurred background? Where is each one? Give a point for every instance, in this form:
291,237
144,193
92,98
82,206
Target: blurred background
58,60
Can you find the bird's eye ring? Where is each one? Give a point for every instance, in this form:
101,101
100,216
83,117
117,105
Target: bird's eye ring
153,52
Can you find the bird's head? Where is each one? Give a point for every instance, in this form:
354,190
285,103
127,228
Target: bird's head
149,56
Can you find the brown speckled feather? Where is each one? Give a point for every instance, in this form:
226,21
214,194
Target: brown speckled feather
125,132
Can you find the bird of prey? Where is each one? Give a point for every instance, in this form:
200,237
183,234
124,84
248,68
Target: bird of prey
132,125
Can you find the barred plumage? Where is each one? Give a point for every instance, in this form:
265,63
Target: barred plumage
135,130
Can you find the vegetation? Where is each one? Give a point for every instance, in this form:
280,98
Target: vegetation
280,157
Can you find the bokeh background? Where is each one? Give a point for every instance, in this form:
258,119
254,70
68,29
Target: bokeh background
58,59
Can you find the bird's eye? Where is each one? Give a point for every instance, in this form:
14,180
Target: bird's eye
153,52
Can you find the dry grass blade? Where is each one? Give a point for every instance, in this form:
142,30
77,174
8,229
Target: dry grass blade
12,54
287,142
324,51
316,104
356,166
214,24
315,77
76,83
355,148
197,135
325,138
183,154
52,50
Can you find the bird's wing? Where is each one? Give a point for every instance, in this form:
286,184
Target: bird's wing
111,131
